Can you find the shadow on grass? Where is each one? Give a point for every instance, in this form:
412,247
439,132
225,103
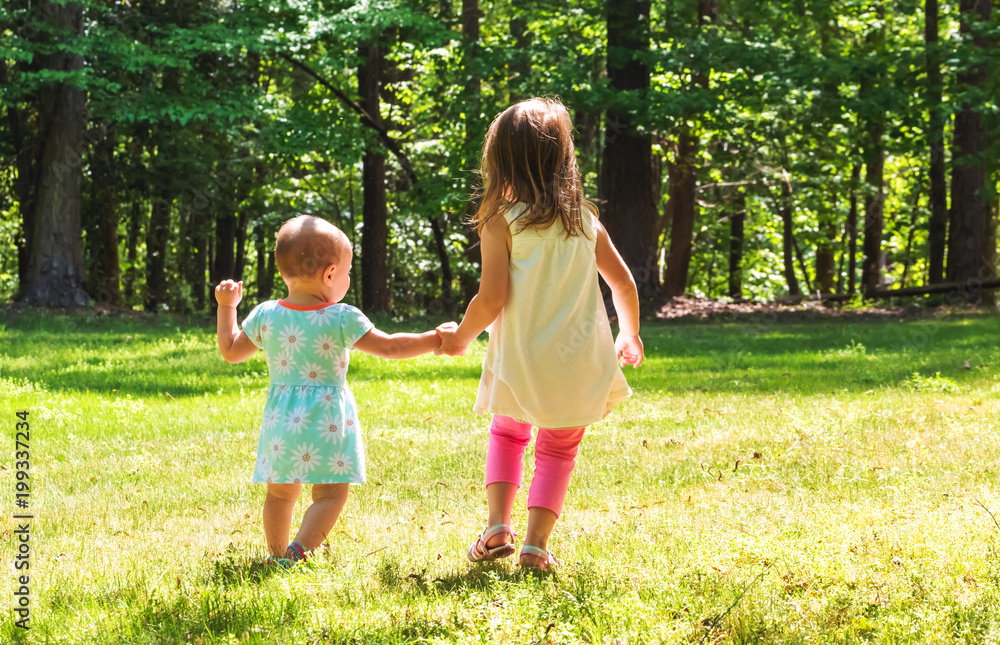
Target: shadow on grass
481,577
152,358
231,571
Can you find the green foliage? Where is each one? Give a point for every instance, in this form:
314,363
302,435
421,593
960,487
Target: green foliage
210,113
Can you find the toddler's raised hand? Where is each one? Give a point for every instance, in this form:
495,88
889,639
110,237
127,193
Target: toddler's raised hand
629,350
229,293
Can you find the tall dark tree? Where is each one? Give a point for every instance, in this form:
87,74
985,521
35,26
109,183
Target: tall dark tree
786,209
852,231
104,268
872,121
683,181
938,225
374,212
737,218
475,130
967,262
625,184
55,268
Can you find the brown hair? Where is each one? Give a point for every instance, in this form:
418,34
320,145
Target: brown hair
528,156
306,245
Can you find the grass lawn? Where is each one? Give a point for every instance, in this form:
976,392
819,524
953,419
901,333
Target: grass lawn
820,482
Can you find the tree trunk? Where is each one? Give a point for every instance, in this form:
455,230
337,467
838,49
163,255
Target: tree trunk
104,270
966,261
788,237
871,268
55,268
224,266
873,124
682,185
447,298
24,186
736,221
475,131
683,189
242,220
938,226
625,183
826,264
157,238
852,230
133,231
375,295
265,279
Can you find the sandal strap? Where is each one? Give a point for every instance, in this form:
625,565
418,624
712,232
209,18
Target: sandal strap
496,530
535,551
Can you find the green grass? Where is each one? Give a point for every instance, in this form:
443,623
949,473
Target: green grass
793,483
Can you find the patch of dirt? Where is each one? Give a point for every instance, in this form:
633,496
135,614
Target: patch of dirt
703,309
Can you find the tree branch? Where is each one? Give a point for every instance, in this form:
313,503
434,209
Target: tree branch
366,118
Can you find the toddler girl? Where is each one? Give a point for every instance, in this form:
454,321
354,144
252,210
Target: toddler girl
551,361
310,433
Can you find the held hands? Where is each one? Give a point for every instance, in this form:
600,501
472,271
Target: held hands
449,342
629,350
229,293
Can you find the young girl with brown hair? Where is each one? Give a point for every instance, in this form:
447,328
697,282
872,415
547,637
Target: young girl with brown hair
551,361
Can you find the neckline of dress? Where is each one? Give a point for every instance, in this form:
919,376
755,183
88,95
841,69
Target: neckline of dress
303,307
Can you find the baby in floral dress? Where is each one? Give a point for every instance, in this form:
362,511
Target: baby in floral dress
310,433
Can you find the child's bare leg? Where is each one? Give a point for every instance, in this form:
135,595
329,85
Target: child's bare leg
541,521
279,505
328,502
500,497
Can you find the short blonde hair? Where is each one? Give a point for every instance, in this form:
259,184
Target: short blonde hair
307,245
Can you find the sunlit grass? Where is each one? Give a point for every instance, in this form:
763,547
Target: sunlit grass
814,482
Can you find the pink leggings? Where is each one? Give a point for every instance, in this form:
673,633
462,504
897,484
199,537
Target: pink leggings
555,456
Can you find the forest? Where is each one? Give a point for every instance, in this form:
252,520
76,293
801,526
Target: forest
737,149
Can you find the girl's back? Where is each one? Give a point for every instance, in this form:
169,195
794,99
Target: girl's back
551,360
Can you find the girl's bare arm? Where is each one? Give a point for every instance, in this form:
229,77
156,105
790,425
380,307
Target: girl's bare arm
492,295
625,296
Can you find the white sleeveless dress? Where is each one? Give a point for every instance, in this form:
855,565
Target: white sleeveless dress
551,358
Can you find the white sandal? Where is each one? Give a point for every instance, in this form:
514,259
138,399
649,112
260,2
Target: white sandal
480,552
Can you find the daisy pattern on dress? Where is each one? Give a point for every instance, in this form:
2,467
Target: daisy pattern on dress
277,445
327,398
264,329
331,431
270,476
318,316
340,368
340,464
282,363
292,337
312,373
325,346
270,419
297,419
305,458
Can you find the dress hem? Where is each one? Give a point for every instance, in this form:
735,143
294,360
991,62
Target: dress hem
301,481
580,422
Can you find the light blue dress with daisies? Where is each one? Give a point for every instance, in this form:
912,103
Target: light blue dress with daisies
310,433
